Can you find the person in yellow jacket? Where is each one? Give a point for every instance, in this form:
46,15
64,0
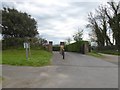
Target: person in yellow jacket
62,50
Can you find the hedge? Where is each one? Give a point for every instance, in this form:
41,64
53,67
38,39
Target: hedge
56,48
113,47
10,43
76,47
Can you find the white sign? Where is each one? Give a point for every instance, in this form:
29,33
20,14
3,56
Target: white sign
26,45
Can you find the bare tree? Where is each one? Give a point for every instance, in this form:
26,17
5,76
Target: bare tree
106,18
68,40
102,19
113,14
78,35
96,30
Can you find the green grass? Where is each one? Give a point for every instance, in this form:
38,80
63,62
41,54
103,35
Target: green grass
18,57
1,78
112,52
0,57
95,54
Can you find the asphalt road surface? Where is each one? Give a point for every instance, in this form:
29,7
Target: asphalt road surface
111,58
76,71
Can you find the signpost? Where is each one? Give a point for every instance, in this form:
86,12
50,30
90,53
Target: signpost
27,46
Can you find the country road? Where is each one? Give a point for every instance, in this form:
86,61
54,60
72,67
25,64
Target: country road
76,71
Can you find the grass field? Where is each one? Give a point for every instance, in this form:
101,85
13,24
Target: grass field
18,57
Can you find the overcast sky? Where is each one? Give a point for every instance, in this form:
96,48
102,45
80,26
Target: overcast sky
57,19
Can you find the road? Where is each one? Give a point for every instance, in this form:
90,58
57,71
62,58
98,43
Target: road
111,58
76,71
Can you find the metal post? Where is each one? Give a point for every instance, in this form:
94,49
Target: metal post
27,47
29,50
27,53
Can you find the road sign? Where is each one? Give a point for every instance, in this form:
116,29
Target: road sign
27,46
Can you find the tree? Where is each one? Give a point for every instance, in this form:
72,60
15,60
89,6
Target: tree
96,31
17,24
78,35
105,19
68,40
102,19
113,19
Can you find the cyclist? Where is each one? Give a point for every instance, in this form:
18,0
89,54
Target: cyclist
62,51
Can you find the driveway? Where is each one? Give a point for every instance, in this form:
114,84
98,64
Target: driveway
76,71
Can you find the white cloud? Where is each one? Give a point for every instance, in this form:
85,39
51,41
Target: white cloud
57,19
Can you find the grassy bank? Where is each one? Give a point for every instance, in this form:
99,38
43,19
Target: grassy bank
112,52
0,57
95,54
1,79
18,57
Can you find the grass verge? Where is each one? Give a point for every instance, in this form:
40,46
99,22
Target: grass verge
112,52
18,57
0,57
1,78
95,54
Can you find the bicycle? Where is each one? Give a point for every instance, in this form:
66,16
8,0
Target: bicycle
63,53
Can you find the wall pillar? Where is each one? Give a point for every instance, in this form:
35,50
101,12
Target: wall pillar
86,48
